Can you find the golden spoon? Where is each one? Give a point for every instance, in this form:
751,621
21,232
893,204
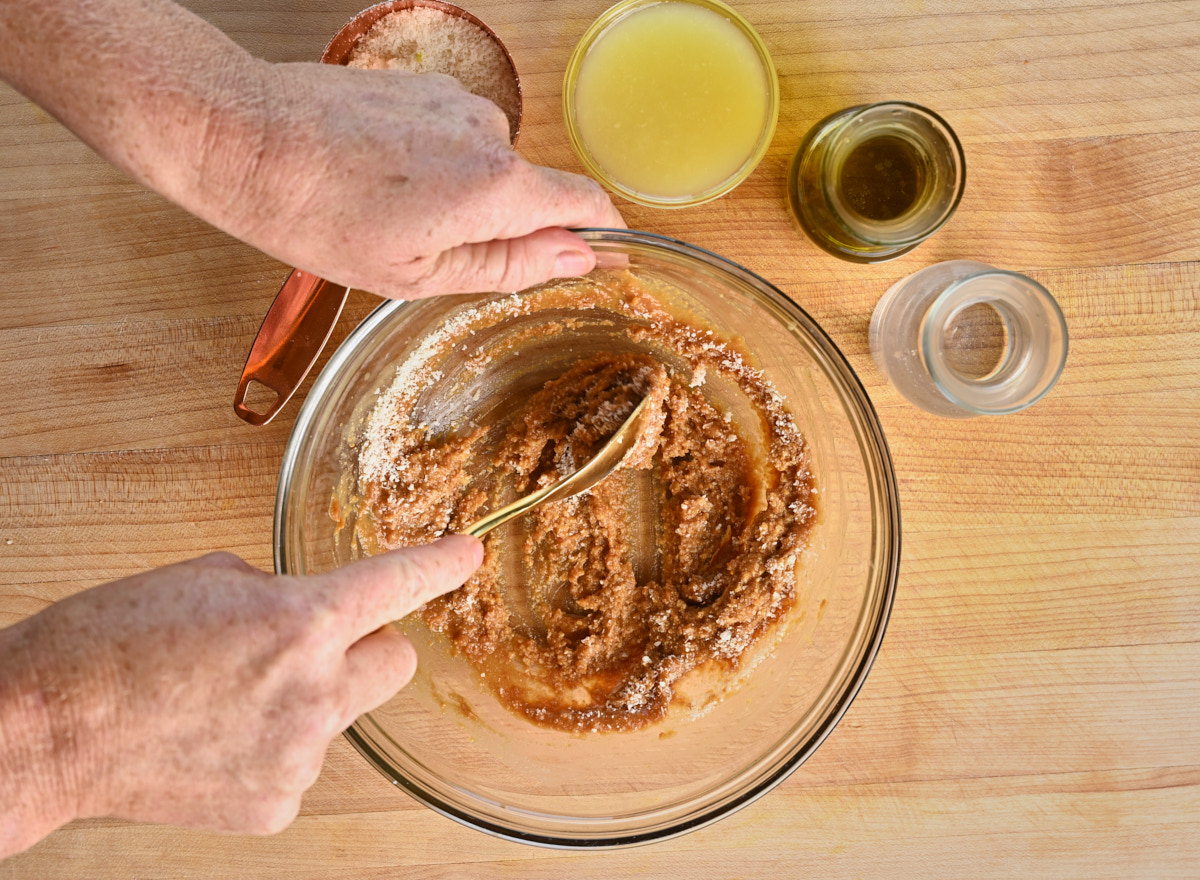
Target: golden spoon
601,465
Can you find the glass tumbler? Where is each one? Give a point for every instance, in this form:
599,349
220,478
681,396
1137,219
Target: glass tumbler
872,182
962,339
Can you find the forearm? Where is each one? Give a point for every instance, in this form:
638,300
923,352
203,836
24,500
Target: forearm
33,797
151,87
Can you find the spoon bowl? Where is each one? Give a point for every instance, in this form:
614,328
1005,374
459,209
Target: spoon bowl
603,463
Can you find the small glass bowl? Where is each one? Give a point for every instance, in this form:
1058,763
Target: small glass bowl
642,196
450,744
821,207
962,339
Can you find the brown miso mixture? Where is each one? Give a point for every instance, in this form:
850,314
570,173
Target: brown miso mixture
681,561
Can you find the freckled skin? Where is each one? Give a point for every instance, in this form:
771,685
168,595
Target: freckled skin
402,184
202,694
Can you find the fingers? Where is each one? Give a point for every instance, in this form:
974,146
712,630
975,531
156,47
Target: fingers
531,244
376,591
508,264
519,198
371,592
377,666
514,248
558,198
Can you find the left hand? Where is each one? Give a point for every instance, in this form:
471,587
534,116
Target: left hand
405,185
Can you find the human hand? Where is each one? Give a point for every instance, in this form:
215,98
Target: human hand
401,184
206,693
404,185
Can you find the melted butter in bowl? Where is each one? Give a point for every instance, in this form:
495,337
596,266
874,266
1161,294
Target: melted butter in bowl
588,612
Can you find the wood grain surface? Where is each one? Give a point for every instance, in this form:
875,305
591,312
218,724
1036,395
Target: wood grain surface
1035,710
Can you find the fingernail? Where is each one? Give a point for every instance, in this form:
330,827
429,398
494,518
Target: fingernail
571,263
477,552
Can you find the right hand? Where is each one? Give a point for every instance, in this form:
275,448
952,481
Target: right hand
205,693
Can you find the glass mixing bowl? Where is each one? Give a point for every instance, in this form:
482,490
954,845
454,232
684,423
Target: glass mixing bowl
450,744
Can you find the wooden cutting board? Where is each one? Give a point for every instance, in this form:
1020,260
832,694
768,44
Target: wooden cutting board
1035,710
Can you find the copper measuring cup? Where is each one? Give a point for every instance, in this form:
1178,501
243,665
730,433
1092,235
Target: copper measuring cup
306,309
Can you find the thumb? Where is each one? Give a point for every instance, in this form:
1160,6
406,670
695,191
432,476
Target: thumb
511,263
372,592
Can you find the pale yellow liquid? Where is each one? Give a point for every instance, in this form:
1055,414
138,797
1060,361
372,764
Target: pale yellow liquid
671,100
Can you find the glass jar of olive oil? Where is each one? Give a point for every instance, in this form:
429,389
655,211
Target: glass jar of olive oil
872,182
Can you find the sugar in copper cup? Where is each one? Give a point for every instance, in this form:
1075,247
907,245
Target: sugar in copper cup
345,40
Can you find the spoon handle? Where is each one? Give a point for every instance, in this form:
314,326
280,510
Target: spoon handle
481,527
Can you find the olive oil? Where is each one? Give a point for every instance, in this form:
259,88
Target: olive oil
882,178
871,183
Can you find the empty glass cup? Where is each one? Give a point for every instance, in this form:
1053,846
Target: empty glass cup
962,339
872,182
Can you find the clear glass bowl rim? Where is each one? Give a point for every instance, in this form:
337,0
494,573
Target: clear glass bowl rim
938,371
853,393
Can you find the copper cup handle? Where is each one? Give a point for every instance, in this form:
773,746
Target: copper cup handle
291,337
